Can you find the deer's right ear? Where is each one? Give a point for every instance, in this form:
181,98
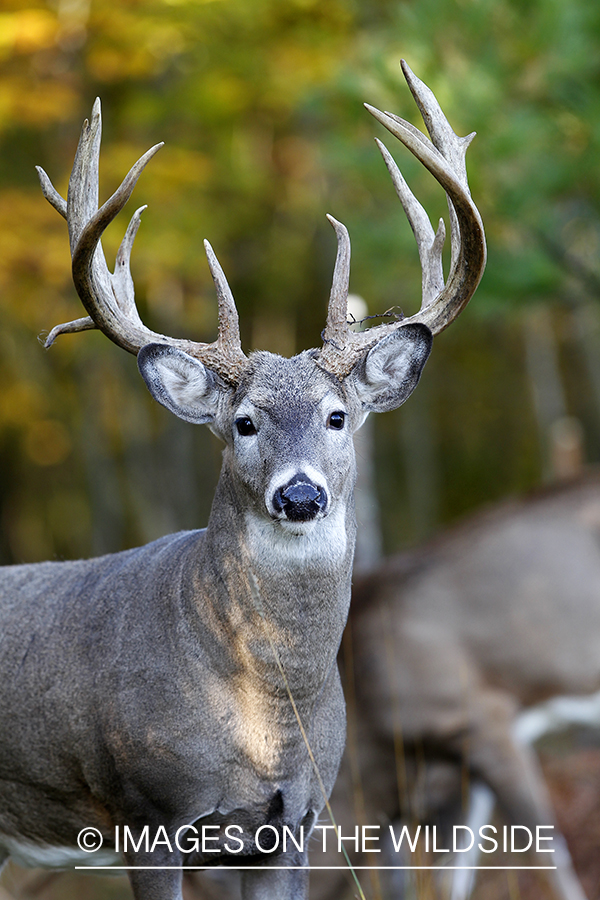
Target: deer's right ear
180,382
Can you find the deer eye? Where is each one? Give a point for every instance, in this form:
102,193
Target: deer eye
336,420
245,426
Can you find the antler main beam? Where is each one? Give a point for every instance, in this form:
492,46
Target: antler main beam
110,301
109,298
444,157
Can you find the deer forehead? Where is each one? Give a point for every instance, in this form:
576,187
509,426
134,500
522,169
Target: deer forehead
286,388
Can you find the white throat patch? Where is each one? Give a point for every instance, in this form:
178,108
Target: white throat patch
321,542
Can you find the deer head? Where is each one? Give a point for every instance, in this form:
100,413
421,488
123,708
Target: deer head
217,384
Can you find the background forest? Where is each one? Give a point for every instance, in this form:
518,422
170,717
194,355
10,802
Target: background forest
260,106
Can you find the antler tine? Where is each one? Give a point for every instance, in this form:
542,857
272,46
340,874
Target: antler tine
51,194
337,329
228,343
342,348
110,298
444,156
429,243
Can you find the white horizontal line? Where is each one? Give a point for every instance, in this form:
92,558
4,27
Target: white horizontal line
316,868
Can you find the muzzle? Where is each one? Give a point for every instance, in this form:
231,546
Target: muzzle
300,500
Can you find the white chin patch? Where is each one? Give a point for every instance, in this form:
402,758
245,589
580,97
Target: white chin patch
297,528
277,543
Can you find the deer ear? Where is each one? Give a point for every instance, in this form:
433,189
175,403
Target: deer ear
390,371
180,382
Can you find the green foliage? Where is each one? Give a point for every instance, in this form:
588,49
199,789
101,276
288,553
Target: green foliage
260,105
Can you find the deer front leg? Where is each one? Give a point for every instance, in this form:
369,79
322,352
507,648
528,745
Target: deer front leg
156,884
277,884
217,885
513,772
155,876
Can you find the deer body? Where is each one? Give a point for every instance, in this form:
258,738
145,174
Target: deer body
509,600
183,682
157,667
160,731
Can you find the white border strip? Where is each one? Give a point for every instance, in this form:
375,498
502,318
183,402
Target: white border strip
313,868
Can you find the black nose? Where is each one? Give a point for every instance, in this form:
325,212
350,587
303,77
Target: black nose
300,500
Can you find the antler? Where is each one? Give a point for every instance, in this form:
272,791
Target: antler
444,156
109,298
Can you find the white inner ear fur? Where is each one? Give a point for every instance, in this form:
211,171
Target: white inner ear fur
186,380
391,369
387,365
180,382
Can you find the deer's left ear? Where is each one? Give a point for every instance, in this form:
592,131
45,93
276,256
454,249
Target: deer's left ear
390,371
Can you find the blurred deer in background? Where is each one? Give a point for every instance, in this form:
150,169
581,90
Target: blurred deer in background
185,682
446,645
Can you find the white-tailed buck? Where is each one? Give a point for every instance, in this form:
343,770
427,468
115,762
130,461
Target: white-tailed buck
151,690
446,646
